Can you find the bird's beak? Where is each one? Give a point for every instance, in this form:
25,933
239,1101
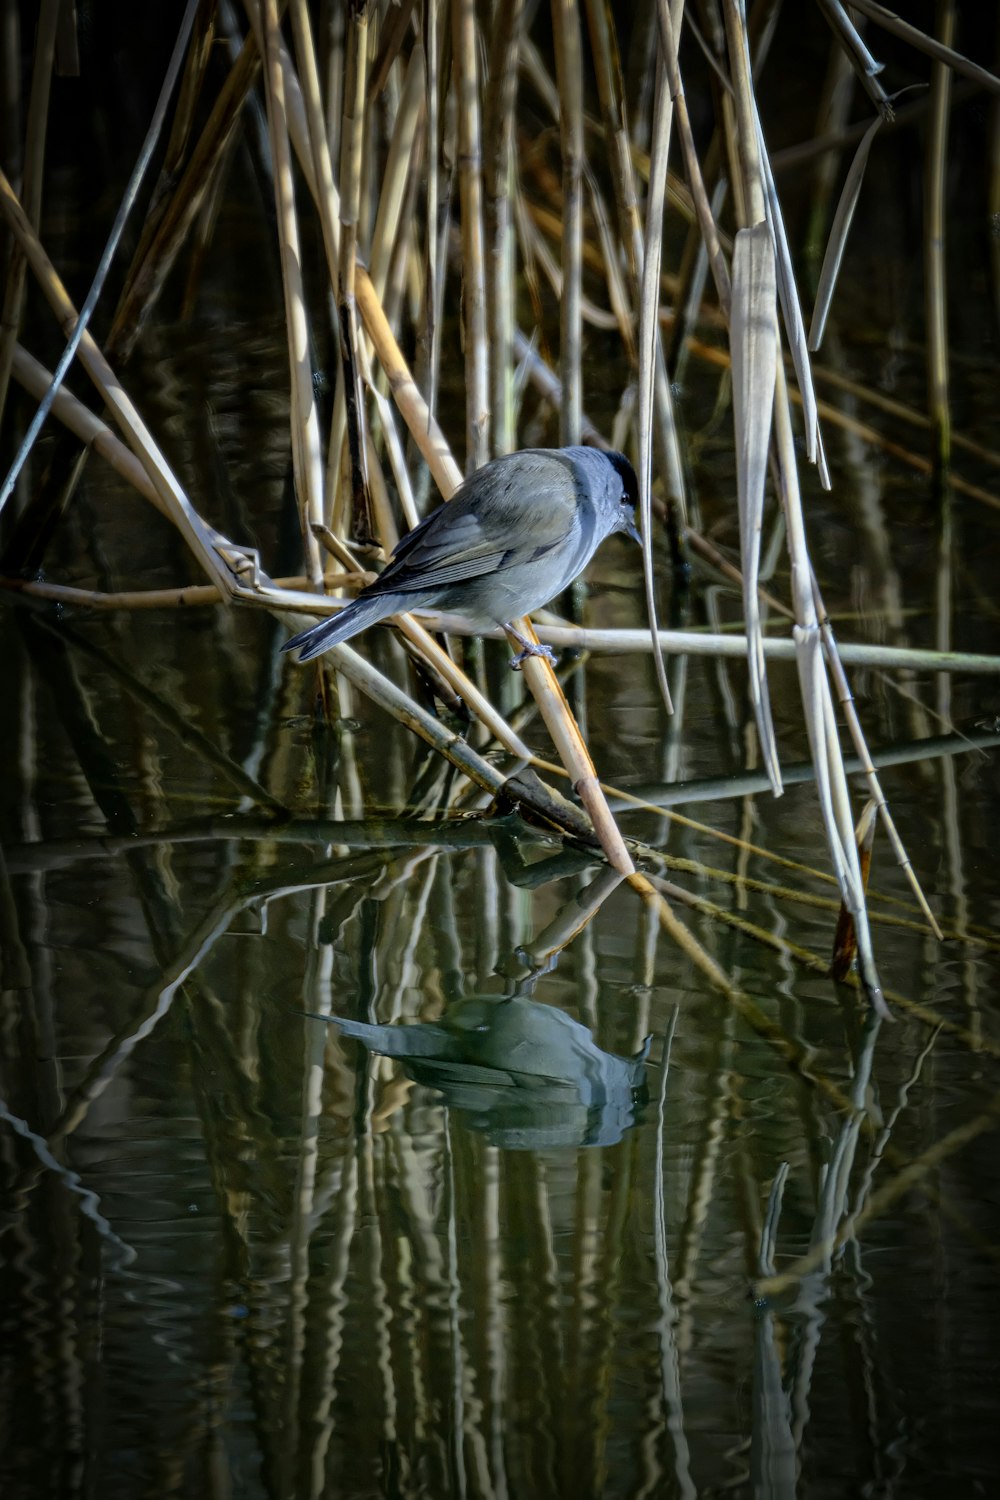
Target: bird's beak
633,531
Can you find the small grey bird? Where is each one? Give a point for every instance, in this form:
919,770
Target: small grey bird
516,533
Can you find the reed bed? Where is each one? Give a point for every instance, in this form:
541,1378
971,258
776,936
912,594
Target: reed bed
413,94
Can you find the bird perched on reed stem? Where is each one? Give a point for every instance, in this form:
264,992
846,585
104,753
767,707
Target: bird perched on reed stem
515,534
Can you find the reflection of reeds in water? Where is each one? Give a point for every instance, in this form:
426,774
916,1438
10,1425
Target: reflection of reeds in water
431,94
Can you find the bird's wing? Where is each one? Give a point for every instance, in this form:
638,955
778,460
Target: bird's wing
453,545
476,533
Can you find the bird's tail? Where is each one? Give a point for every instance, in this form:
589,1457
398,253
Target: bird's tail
342,626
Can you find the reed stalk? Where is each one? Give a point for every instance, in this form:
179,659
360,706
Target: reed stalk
470,181
306,458
352,160
934,248
498,118
569,81
31,186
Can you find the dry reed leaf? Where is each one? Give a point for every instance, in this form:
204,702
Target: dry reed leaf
649,350
754,343
837,242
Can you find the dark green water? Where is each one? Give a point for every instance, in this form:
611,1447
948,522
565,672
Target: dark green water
240,1255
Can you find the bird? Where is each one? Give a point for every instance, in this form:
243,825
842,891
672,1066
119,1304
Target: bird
514,535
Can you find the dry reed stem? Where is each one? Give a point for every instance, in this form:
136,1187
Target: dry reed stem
610,91
470,181
200,49
498,115
307,463
533,247
751,173
327,196
710,236
864,65
754,347
383,514
569,82
434,258
622,316
426,433
621,161
845,697
295,109
441,663
352,161
573,752
31,186
398,167
393,29
650,352
934,248
844,942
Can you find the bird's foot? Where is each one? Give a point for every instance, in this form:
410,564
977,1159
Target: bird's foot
529,648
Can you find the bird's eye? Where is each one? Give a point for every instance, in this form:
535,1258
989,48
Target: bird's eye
625,500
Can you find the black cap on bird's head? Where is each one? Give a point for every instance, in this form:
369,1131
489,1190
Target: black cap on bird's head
630,493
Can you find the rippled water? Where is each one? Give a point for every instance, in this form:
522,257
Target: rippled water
527,1254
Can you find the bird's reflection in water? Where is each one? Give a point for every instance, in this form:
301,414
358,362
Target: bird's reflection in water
524,1074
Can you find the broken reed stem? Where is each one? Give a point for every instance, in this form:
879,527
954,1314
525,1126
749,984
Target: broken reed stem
470,182
934,248
569,81
936,48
